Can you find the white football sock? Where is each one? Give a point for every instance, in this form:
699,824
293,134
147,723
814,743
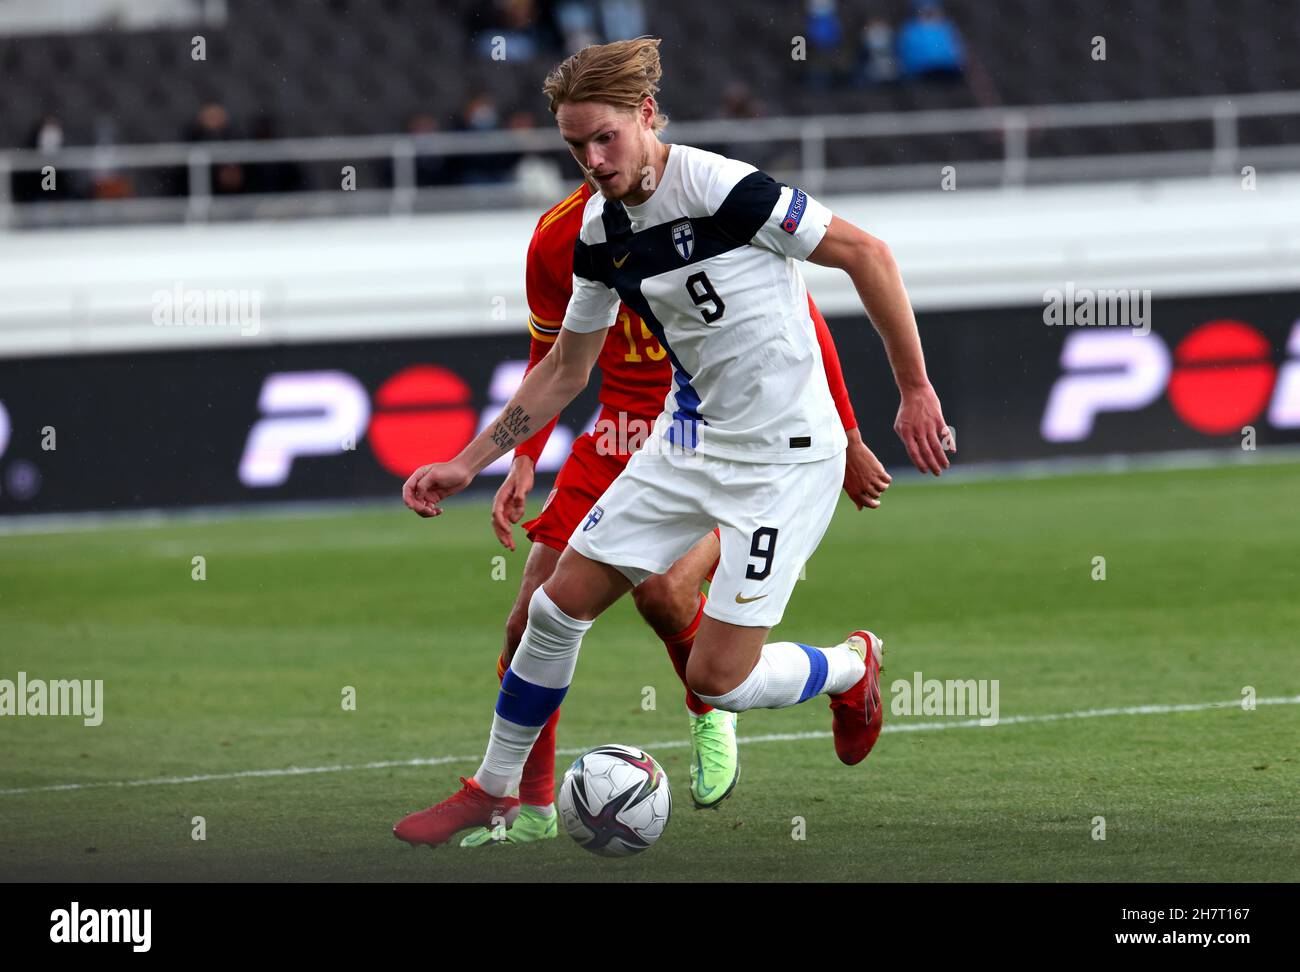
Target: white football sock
531,691
788,673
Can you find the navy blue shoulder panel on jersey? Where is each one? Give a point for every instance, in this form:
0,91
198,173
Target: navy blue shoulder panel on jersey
748,206
590,262
627,257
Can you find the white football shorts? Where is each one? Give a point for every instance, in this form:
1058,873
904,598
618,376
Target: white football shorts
770,517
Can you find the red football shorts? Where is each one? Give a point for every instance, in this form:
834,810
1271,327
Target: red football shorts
583,479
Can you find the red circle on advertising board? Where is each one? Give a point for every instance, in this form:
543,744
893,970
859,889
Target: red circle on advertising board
1222,377
422,414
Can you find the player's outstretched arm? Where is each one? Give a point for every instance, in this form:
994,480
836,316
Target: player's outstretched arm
512,497
545,391
876,276
865,478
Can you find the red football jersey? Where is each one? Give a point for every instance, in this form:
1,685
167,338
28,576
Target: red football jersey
635,370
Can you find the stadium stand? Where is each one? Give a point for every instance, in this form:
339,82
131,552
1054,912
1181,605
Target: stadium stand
307,64
329,68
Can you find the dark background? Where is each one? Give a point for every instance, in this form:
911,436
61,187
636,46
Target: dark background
143,430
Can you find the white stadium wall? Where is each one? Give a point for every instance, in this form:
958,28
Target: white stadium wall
349,352
70,291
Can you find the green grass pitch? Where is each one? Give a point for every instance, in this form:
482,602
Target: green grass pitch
245,671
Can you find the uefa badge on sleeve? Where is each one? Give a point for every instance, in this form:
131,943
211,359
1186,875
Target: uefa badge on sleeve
798,203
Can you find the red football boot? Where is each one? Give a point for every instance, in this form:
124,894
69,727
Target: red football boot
470,807
856,714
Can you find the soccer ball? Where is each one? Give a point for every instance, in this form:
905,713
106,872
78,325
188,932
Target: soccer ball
615,800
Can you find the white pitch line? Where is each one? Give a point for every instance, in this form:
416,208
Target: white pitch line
669,744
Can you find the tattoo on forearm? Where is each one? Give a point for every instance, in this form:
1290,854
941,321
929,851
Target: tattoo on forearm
510,428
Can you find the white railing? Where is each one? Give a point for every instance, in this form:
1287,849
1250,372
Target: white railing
804,158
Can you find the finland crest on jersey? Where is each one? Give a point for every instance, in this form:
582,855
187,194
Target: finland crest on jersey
709,264
684,239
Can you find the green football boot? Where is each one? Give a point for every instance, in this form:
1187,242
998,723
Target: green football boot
529,826
715,760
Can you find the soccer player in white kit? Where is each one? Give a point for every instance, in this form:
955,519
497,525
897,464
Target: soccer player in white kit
705,249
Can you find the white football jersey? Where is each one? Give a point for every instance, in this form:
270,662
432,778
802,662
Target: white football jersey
708,261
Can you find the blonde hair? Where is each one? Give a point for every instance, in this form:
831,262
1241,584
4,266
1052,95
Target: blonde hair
622,74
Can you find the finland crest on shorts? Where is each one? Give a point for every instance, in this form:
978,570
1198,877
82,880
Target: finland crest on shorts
593,518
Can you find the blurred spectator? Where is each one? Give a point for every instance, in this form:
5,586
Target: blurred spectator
618,20
929,46
823,25
430,170
539,178
521,28
738,101
271,177
740,104
521,121
107,181
46,138
877,63
576,20
622,19
480,114
212,124
824,34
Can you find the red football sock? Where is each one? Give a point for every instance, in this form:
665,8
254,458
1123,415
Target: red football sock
537,787
679,649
